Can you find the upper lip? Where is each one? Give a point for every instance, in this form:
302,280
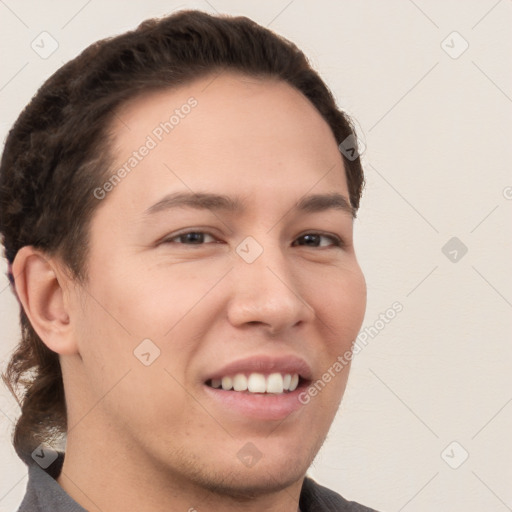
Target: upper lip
265,364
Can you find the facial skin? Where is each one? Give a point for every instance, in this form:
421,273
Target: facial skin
155,438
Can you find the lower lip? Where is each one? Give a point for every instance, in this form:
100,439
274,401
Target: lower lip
258,406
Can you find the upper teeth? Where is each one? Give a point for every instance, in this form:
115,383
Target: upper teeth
258,383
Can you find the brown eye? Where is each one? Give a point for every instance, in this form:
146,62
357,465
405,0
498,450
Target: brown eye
190,238
316,240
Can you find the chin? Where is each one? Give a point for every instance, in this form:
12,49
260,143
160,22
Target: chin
250,483
240,482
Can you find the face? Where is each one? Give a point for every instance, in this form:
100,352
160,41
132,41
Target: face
258,287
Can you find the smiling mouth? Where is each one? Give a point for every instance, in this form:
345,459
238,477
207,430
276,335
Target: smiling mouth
258,383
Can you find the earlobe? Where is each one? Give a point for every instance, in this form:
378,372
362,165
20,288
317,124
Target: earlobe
39,286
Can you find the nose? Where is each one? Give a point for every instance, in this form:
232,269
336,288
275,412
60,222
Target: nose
266,292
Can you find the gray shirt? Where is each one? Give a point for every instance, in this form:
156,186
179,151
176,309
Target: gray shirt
44,494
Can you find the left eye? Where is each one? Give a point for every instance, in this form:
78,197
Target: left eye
315,240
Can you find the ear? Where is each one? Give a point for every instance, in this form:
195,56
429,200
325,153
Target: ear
39,285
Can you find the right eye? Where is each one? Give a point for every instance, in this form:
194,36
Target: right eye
190,238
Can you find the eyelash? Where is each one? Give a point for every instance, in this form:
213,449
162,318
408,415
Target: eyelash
336,241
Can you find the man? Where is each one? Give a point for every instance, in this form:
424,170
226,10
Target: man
179,223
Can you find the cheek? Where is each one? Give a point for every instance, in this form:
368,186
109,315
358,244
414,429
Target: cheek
172,307
340,304
152,303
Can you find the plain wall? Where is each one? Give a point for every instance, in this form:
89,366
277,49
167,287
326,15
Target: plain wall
437,126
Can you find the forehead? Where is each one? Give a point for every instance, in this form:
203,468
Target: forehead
222,133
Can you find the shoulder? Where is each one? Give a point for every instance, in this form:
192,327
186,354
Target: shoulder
316,498
43,492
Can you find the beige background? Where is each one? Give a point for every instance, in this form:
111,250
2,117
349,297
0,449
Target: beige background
438,165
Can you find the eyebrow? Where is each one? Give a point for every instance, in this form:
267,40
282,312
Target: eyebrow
217,202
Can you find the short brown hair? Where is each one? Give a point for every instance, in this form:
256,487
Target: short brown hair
57,153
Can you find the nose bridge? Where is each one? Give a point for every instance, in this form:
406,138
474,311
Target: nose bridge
265,288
